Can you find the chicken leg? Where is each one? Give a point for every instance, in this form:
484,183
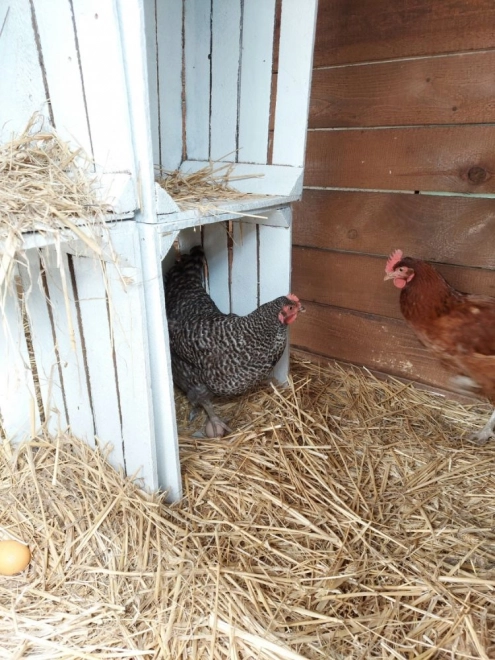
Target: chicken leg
466,385
187,378
487,432
199,395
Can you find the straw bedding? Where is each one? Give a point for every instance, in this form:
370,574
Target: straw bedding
346,518
205,189
48,187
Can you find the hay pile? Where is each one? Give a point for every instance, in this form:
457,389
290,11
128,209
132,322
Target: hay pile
205,189
46,186
347,518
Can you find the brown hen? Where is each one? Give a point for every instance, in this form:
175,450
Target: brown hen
459,328
216,354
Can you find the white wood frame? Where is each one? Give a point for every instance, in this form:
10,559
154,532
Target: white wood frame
227,75
109,76
99,383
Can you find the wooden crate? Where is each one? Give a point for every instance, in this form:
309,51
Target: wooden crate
139,83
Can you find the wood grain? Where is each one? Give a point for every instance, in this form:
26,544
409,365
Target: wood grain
437,158
355,281
436,90
421,124
375,342
357,31
455,230
276,34
273,89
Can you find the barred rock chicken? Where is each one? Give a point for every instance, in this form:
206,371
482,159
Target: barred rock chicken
215,354
459,328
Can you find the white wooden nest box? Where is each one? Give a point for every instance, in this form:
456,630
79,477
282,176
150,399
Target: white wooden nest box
139,84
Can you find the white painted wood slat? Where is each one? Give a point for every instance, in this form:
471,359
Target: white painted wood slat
167,447
256,79
60,57
18,407
215,244
294,81
169,35
21,82
74,379
130,342
275,245
150,9
197,83
98,349
253,209
157,456
226,34
43,343
244,273
132,31
275,259
100,50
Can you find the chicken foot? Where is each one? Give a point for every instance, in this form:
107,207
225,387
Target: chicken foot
199,395
487,432
218,426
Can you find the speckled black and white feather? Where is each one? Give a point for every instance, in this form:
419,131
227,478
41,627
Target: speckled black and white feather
215,353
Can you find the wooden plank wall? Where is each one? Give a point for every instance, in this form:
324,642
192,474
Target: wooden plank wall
400,154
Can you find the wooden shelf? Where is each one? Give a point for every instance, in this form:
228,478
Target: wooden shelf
240,209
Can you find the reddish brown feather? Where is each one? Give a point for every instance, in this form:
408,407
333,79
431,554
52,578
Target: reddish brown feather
458,327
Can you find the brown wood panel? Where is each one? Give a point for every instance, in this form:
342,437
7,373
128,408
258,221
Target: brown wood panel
438,158
456,230
355,281
369,30
457,89
386,345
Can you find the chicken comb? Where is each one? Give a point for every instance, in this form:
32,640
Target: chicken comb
293,297
393,260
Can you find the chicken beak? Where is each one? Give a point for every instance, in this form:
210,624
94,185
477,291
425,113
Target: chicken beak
301,308
389,276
